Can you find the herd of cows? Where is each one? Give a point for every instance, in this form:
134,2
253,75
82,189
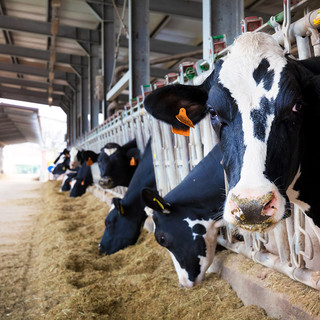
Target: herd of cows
265,109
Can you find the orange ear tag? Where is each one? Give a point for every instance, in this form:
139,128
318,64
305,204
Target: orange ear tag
181,132
89,162
182,117
133,162
70,183
82,183
67,155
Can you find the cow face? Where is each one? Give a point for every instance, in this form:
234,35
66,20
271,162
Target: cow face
259,101
61,164
117,165
121,228
82,181
190,241
75,158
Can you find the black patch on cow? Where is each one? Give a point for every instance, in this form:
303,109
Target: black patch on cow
199,229
259,118
262,73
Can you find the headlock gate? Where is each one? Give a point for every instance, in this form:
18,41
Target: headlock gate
293,247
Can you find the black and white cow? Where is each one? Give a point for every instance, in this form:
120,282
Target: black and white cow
61,163
84,178
117,164
186,219
126,217
265,107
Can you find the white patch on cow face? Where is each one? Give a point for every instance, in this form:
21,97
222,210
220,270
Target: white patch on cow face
109,152
73,182
74,162
61,159
111,208
210,237
236,75
182,273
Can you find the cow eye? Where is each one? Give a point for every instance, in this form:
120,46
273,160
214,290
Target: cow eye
297,107
162,240
212,111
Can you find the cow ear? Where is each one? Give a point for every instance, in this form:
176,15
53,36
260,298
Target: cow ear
154,201
119,207
182,106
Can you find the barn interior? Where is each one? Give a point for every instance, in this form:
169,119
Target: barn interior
93,59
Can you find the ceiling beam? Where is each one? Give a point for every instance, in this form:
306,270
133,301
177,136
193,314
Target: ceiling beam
40,72
30,83
28,95
164,47
44,28
187,9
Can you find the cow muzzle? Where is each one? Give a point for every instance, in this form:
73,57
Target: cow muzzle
255,212
106,182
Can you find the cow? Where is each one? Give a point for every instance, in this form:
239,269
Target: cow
75,158
126,217
84,178
61,163
117,164
264,107
187,219
67,179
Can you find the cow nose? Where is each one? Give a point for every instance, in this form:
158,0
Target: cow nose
253,210
106,182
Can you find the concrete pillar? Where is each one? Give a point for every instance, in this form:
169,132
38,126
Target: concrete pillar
107,46
221,17
94,64
139,47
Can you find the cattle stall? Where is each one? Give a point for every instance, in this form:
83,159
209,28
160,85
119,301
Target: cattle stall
293,247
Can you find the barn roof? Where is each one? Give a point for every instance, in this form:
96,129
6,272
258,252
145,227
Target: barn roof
18,125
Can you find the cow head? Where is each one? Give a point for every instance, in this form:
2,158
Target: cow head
61,164
122,227
82,181
117,164
191,241
75,158
263,106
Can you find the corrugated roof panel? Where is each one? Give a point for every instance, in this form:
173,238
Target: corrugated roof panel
27,9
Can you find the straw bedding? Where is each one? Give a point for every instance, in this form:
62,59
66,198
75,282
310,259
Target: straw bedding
68,279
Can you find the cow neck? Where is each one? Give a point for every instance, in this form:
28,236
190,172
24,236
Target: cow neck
143,177
203,188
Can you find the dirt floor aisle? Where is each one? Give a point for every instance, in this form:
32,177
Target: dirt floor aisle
19,203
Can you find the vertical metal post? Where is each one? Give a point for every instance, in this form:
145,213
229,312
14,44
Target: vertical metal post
107,46
94,70
85,100
1,160
138,46
221,17
79,106
74,117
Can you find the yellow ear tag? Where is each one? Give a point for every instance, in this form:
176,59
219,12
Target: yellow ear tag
183,118
89,162
133,162
82,183
121,209
63,168
182,132
158,202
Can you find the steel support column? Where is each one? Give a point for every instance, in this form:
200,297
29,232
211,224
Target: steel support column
138,46
221,17
1,160
85,100
74,118
107,46
79,107
94,63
